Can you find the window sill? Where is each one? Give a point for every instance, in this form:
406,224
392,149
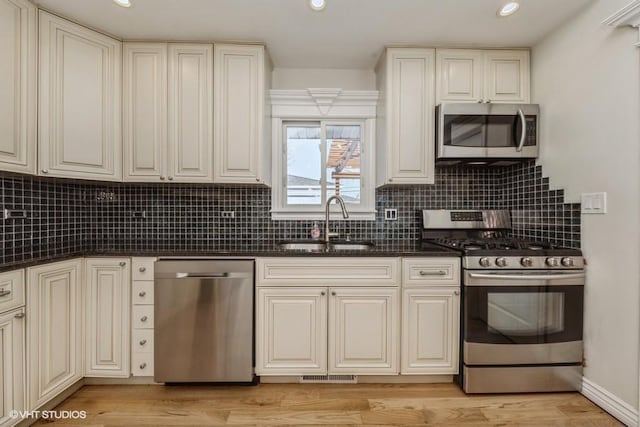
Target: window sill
335,215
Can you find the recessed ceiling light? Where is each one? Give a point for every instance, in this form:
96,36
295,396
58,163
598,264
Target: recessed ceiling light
123,3
317,4
509,8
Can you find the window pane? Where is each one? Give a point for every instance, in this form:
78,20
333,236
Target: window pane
304,165
343,162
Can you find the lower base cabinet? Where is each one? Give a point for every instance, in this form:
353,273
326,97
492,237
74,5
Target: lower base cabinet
54,329
430,330
12,359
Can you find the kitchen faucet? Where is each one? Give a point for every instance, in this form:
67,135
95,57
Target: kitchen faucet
327,212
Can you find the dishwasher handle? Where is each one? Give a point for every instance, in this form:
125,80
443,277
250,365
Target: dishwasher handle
180,275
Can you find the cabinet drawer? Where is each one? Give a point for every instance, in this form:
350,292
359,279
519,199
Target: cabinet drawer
142,341
142,316
142,268
142,364
372,271
431,271
142,293
11,290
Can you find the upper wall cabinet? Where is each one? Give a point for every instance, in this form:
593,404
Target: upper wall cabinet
79,102
18,44
168,112
405,124
466,75
241,77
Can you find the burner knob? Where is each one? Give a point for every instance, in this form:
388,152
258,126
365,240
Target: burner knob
567,262
485,262
552,262
526,262
501,262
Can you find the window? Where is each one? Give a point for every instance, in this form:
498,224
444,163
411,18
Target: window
318,155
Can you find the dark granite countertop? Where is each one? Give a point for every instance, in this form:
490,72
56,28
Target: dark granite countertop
380,249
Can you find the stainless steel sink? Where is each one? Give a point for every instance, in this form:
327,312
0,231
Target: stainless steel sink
320,246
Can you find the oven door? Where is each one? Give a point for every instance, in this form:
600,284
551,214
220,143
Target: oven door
522,317
475,131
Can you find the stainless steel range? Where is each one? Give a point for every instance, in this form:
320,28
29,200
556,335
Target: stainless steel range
522,304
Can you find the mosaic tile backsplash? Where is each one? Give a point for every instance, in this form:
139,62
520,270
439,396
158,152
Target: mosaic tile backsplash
64,218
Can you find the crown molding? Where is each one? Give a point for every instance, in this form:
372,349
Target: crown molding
628,16
323,103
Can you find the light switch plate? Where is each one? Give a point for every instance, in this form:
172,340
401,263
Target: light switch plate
594,203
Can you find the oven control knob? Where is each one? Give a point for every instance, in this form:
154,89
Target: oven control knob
552,262
526,262
501,262
567,262
485,262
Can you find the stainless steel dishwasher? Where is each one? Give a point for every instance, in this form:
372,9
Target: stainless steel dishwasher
203,320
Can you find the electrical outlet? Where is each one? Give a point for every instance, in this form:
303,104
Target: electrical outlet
228,214
391,214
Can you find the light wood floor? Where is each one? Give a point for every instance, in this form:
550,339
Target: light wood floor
310,404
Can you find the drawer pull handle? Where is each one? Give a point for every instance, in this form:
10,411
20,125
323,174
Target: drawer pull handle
142,294
142,269
143,342
433,273
143,319
143,365
4,292
19,316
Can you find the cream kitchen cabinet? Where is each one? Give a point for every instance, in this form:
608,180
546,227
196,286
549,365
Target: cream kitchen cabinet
430,316
317,316
79,102
142,309
168,112
242,153
107,313
18,83
54,329
405,123
468,75
12,345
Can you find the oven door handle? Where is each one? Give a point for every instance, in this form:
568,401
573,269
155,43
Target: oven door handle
527,277
523,137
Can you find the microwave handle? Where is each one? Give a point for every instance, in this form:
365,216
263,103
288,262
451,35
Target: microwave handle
524,130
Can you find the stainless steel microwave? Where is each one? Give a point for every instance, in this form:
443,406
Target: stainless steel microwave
486,133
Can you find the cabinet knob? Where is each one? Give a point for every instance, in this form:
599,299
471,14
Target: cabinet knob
143,365
143,319
162,178
19,316
122,264
45,170
142,269
390,179
333,293
142,294
170,178
323,293
143,342
456,292
257,179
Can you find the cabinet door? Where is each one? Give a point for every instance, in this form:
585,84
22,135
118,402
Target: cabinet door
145,111
54,334
12,364
107,313
410,147
363,331
239,98
190,112
430,331
507,76
18,86
458,75
79,101
291,331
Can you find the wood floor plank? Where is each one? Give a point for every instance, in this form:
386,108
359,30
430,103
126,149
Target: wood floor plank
325,405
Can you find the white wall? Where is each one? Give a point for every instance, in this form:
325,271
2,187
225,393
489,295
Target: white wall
304,78
586,79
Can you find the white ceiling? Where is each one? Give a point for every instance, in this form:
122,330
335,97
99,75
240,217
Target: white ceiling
347,34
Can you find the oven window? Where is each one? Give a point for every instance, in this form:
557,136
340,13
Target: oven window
522,314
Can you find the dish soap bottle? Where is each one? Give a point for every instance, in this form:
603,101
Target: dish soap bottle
315,231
